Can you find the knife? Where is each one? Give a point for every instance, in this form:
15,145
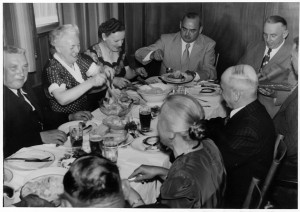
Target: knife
30,159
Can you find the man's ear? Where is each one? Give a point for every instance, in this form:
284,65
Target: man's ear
235,95
200,30
285,33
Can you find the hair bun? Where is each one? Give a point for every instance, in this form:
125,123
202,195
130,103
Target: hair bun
198,130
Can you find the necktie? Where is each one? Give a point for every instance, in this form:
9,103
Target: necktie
226,119
27,105
185,59
34,114
266,59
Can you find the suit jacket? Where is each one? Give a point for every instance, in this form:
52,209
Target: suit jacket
21,127
246,143
278,70
286,123
202,57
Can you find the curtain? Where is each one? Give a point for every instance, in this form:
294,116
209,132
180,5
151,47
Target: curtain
88,17
19,29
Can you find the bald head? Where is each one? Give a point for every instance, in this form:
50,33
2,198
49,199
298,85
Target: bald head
239,84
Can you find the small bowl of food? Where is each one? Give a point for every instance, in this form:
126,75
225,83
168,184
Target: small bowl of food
156,93
115,122
113,107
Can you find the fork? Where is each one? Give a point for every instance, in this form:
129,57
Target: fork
31,159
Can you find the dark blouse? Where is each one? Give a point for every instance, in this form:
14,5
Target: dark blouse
119,65
195,180
57,73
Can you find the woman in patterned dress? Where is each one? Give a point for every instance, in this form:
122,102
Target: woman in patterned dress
70,75
110,52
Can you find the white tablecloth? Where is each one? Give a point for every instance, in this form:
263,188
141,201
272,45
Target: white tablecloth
129,158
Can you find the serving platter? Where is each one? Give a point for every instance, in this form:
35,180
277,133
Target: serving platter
187,78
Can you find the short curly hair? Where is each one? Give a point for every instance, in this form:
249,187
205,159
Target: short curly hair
61,31
111,26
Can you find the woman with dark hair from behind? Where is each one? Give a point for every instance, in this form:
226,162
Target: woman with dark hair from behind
110,52
196,178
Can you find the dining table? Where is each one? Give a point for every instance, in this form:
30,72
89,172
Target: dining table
129,156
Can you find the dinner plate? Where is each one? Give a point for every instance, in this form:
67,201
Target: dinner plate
139,144
34,153
128,141
47,183
188,79
65,127
7,175
209,91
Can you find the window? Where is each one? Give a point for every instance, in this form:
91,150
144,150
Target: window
46,16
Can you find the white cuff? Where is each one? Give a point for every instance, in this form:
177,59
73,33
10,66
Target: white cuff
147,58
197,77
55,86
93,70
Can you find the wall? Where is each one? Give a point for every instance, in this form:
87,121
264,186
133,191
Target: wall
231,25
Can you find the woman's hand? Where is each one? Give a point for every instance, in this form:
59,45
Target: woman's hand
145,172
131,195
120,82
141,71
98,80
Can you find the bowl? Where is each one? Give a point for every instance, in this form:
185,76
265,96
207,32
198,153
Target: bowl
114,108
115,122
155,95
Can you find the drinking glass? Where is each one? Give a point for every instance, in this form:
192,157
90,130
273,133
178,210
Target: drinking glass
145,118
76,136
95,140
110,150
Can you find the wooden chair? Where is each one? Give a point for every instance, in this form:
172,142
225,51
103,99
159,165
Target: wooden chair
256,196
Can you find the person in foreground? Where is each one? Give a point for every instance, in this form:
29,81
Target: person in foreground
25,124
246,138
92,181
110,52
271,61
185,50
196,178
69,76
286,123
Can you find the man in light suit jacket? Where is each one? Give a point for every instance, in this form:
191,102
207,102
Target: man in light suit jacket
170,50
278,67
246,138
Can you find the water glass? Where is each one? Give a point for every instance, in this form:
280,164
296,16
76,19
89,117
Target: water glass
76,136
110,150
145,118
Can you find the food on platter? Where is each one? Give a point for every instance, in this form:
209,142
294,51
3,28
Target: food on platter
47,187
154,90
176,76
207,90
114,107
115,122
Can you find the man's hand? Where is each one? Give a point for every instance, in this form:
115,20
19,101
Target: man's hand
157,55
81,115
53,137
141,71
120,82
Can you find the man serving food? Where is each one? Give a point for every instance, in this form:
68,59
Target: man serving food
187,50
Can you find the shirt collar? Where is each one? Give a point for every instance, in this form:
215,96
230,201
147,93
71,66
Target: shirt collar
274,51
183,46
233,112
16,92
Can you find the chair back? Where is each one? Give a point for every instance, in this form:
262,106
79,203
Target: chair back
256,197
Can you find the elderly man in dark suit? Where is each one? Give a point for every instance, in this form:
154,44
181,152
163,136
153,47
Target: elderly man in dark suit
24,121
184,50
271,60
246,138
